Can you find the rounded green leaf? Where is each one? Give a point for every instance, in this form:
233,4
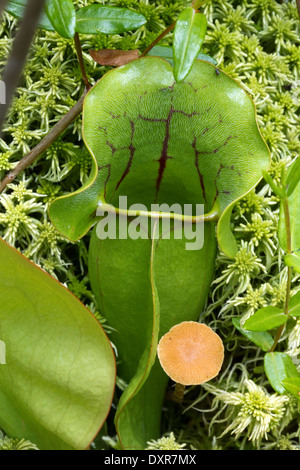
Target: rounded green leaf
57,383
294,305
292,385
17,7
278,367
62,16
293,261
197,4
262,339
265,319
189,33
95,19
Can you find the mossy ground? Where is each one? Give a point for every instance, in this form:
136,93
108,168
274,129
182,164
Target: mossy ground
257,43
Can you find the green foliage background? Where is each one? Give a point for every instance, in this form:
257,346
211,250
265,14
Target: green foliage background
257,43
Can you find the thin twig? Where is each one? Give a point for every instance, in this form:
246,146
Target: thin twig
55,132
3,4
81,61
21,45
159,38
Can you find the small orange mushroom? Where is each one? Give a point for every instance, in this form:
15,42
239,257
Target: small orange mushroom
191,353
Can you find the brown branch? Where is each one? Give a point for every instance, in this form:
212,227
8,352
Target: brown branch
81,61
3,4
55,132
159,38
20,49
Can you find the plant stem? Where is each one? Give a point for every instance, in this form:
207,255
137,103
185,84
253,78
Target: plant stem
178,393
285,204
55,132
17,58
287,220
81,61
3,4
162,35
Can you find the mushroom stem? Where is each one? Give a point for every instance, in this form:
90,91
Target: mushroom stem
178,393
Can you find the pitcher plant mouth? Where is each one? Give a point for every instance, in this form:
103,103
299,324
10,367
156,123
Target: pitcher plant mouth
212,216
162,221
159,142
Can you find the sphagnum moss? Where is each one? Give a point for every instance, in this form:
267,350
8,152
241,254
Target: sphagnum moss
255,41
7,443
258,412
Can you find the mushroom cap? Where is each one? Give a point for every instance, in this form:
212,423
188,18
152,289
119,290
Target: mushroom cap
191,353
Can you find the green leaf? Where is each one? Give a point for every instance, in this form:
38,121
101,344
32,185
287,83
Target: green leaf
293,261
294,212
265,319
92,19
17,7
278,367
293,177
62,16
292,385
262,339
131,403
197,4
166,52
294,305
57,384
295,300
95,19
189,33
